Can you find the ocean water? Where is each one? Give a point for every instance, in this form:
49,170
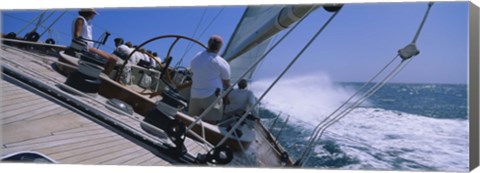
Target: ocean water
401,127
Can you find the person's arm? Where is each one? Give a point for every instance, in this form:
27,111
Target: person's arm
78,28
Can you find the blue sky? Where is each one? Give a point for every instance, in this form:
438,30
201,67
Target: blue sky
358,42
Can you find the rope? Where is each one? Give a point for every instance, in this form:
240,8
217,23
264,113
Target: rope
279,77
26,21
98,42
29,23
21,19
320,129
41,21
56,20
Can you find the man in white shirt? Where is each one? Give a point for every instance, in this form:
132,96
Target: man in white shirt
151,58
158,66
211,75
136,57
133,58
240,99
122,50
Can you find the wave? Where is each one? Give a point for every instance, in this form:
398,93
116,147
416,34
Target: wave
385,139
307,98
369,137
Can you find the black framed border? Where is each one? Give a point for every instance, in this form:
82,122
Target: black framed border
474,49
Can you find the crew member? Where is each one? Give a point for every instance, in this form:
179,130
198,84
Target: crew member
211,75
83,30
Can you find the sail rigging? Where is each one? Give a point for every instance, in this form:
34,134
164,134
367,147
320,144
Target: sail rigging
254,32
405,54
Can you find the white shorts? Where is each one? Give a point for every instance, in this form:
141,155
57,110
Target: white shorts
198,105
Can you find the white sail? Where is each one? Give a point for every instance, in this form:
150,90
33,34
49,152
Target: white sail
254,32
244,61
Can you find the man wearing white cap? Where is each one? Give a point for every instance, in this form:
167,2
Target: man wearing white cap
83,29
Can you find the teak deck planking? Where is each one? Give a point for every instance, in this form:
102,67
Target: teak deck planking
32,122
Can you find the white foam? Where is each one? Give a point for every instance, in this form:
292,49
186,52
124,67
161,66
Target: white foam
404,141
309,97
380,139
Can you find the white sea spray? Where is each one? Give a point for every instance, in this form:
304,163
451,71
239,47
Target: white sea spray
378,138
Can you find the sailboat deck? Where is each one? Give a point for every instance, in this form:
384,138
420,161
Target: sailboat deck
32,121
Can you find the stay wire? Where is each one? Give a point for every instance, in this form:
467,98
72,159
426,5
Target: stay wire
28,23
199,118
193,36
311,141
244,73
56,20
279,77
369,93
346,111
430,4
394,73
40,22
203,32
